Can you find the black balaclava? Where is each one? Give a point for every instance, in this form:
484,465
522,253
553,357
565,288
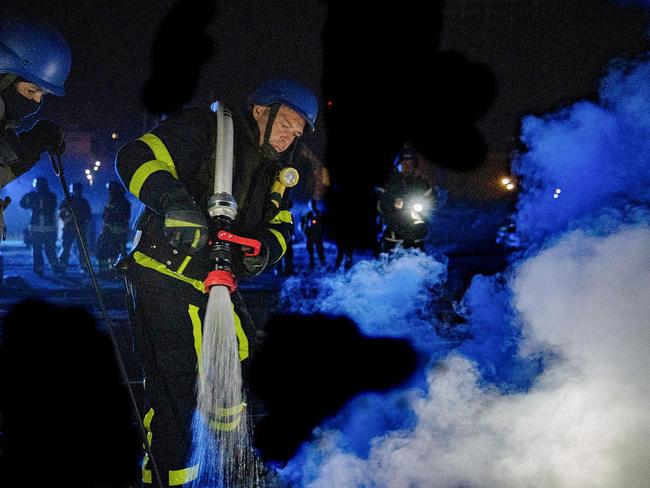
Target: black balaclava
16,106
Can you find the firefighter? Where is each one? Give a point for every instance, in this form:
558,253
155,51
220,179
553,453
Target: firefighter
34,61
115,231
81,207
170,170
312,226
42,203
404,203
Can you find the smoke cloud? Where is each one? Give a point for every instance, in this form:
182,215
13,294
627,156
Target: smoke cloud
589,156
553,386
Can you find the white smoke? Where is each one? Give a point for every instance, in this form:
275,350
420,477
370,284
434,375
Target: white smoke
554,388
583,423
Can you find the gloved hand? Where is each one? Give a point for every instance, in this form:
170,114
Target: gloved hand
256,264
185,225
45,135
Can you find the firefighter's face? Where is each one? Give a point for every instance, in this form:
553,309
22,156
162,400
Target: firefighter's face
30,90
288,125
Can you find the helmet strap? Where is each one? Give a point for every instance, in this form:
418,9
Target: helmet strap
267,150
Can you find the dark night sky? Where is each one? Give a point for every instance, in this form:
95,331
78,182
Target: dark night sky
542,53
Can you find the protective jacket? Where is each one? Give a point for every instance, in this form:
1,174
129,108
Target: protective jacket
43,206
181,152
170,298
17,156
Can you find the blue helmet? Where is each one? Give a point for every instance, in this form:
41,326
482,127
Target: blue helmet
35,51
290,93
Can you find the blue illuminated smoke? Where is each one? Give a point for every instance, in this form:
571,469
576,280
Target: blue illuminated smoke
589,158
552,387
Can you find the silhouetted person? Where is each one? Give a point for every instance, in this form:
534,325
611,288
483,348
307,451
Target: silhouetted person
115,232
66,415
312,226
42,204
69,237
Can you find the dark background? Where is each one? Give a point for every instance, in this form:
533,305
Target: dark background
453,77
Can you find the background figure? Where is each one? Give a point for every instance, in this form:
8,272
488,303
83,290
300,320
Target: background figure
344,252
69,234
42,203
404,204
312,226
115,232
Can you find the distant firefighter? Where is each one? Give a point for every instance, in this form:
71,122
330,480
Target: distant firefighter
42,203
404,204
69,236
312,226
115,232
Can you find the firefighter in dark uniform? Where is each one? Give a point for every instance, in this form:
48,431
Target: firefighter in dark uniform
82,210
404,203
34,60
170,170
42,203
115,231
312,226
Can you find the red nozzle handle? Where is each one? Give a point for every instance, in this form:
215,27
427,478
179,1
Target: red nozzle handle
254,244
221,278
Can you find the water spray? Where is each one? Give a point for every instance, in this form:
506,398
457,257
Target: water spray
222,444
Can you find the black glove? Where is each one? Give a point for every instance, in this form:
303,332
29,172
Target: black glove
256,264
45,135
185,225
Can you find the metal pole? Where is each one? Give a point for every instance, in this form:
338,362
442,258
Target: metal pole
57,164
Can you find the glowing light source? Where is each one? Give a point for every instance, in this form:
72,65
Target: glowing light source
510,186
418,207
87,171
505,181
558,191
98,163
90,177
114,135
555,195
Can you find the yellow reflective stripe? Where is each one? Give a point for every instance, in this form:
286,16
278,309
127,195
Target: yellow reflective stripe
146,473
143,172
184,264
147,262
159,151
180,223
229,412
182,476
193,311
280,238
222,423
225,426
197,237
282,217
242,340
175,477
